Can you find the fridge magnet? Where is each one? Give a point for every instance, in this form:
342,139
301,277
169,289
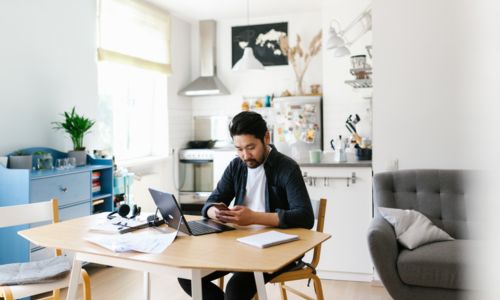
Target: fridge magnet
310,135
310,108
264,39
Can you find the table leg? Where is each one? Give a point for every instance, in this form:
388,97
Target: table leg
261,285
196,284
74,278
147,286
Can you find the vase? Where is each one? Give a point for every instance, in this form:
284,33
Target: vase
20,162
300,87
80,157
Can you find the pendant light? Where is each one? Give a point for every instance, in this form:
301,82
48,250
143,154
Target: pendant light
248,60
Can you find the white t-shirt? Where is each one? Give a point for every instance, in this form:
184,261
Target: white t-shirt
255,197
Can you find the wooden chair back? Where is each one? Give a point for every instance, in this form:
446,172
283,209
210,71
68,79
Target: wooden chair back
29,213
320,223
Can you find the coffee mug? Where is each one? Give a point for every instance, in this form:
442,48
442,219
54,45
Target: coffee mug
315,156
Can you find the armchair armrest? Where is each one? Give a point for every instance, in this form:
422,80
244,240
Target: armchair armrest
384,250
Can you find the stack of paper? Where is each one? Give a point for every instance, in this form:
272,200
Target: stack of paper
268,239
147,242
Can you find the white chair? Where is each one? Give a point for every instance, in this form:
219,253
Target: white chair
28,214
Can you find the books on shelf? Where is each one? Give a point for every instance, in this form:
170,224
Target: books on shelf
96,186
96,175
268,239
97,202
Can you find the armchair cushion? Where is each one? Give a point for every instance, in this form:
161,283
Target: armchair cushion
35,272
438,265
412,228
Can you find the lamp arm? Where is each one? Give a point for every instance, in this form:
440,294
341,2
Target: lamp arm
359,35
362,15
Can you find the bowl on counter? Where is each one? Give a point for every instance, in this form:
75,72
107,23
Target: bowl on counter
208,144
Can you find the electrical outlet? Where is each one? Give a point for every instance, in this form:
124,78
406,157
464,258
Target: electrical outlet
392,165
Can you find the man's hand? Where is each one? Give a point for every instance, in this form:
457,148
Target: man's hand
240,215
214,210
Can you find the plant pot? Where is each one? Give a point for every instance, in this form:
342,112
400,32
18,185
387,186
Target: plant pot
80,157
21,162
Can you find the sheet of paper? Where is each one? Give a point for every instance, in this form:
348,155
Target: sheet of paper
117,225
146,242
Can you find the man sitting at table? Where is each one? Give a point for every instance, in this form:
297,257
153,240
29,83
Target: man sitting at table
268,189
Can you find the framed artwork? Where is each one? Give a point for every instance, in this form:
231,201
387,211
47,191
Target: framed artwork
263,39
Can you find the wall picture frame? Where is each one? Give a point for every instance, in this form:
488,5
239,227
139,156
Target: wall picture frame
263,39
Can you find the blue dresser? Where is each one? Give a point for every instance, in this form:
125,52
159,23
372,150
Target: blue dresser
72,187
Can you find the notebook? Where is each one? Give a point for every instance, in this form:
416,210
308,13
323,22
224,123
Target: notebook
268,239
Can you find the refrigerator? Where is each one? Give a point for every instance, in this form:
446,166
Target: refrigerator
296,125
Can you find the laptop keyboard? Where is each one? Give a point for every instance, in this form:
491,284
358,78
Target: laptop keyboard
199,228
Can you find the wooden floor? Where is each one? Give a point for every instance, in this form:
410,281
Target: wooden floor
114,283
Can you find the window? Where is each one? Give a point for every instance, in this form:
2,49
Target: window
133,53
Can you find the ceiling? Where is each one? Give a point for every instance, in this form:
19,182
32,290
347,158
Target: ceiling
193,10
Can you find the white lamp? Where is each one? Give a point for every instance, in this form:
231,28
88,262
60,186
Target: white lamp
248,60
336,38
341,51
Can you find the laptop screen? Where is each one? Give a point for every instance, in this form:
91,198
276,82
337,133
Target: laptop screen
170,210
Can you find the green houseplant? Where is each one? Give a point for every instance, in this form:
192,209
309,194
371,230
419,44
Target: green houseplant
76,126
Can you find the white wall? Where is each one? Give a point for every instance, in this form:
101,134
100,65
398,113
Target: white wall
47,65
273,79
340,99
425,84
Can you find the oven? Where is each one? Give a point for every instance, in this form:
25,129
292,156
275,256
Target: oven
195,179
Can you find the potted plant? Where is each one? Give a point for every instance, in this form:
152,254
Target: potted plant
76,126
20,160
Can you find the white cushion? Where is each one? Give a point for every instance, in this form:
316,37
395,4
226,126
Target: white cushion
46,270
412,228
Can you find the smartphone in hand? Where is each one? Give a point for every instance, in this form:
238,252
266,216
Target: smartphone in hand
221,206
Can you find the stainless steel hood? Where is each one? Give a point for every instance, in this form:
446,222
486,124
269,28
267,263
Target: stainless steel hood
207,84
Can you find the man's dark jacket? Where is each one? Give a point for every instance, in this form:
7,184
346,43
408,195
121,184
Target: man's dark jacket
286,191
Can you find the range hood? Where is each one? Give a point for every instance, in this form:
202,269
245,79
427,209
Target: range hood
207,84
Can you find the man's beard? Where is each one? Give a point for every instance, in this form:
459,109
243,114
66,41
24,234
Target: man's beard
252,163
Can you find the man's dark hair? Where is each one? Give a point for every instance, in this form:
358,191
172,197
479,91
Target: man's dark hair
248,122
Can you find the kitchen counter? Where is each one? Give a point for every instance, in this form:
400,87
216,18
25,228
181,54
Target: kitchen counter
327,160
348,164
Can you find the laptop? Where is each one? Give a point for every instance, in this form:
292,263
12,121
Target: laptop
171,213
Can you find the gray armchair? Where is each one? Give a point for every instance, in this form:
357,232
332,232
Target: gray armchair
432,271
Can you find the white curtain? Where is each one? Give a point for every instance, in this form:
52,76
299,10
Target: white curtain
134,33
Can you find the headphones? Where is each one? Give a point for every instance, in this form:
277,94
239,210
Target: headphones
123,211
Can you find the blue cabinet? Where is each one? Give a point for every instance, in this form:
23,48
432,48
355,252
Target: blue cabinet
72,187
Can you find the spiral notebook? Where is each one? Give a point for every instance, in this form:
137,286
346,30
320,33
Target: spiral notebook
268,239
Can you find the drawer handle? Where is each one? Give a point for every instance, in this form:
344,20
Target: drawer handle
64,189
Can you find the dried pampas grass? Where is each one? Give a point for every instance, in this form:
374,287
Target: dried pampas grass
298,59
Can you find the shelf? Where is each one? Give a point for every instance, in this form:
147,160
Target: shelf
100,196
367,71
360,83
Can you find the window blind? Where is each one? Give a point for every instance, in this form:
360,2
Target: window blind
134,33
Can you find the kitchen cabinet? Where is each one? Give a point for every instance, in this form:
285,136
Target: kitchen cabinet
72,188
345,255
